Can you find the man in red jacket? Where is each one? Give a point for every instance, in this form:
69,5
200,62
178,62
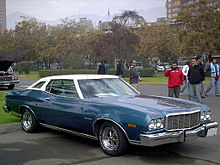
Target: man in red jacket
176,79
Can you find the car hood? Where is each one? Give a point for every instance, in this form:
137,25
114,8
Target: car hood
154,104
5,64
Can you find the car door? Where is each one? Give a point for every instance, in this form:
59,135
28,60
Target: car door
62,106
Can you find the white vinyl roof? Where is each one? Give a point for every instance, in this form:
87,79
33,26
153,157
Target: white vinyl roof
73,77
78,77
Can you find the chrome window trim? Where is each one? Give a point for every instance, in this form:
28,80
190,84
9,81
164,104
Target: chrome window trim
59,95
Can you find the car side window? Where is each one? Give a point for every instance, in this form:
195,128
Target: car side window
39,85
62,88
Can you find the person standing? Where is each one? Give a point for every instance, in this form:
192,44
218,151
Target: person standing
196,75
185,71
106,66
214,77
120,69
175,80
199,60
101,68
134,75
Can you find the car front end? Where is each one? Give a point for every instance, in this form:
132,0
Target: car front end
179,127
7,77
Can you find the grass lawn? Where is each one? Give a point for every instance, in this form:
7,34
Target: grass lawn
6,118
33,75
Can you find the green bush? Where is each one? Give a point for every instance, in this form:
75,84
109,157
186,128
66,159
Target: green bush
147,72
24,66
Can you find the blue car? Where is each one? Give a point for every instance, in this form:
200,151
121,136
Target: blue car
108,109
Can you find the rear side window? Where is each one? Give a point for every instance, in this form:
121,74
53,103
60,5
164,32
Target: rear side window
64,88
39,85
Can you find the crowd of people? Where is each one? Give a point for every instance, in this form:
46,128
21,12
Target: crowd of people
134,77
193,75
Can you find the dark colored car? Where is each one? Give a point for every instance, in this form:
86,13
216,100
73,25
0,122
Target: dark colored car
108,109
7,77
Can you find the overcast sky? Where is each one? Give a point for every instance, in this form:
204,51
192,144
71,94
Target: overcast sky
56,9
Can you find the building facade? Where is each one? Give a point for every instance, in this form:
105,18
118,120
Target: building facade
175,6
86,23
2,15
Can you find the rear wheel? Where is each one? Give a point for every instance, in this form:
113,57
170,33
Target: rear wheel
11,86
28,121
113,141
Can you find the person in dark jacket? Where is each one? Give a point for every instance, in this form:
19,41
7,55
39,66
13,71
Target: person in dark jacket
199,60
101,68
176,79
106,65
120,69
134,75
195,75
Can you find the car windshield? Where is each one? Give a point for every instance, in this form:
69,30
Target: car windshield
92,88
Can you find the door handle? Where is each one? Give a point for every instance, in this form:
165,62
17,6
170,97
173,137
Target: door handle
47,98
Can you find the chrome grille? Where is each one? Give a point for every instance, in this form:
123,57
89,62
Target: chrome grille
5,78
182,120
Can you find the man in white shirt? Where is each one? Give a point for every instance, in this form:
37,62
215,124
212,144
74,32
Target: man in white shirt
186,81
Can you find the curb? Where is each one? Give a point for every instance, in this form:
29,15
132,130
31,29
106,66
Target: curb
6,128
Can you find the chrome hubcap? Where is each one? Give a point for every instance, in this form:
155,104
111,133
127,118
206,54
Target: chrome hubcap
27,120
109,139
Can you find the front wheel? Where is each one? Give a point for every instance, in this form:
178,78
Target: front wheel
113,141
28,121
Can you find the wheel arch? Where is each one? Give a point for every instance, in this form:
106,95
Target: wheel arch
97,124
23,107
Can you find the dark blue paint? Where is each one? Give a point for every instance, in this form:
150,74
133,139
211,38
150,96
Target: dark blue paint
80,115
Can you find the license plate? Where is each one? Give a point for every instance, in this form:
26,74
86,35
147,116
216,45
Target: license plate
212,132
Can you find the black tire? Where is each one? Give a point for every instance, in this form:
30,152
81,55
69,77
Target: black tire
11,86
112,139
28,122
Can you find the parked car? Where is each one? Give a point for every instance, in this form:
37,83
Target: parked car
7,76
139,65
160,68
106,108
166,65
181,64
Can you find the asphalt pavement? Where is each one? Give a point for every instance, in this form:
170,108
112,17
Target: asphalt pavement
49,147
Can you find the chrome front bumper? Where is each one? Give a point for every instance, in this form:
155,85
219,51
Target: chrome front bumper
6,83
209,129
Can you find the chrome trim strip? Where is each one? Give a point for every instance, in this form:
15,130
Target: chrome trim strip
69,131
182,113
